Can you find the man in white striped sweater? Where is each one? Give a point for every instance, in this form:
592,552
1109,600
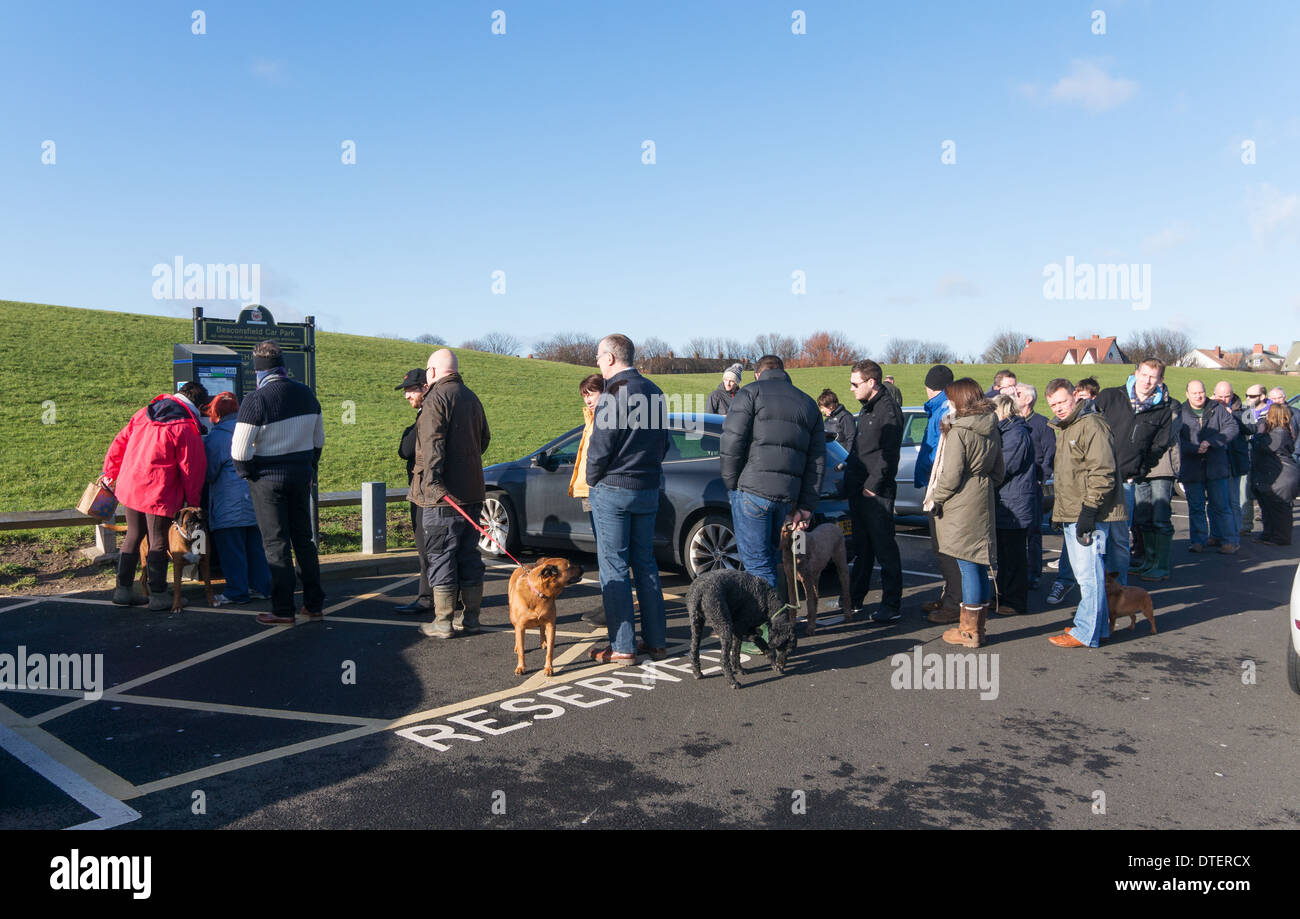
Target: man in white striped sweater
277,444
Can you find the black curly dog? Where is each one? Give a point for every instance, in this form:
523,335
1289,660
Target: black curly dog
735,604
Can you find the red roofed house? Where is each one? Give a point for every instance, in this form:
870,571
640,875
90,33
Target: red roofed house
1216,358
1094,350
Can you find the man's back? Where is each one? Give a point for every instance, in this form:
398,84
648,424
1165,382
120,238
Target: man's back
774,442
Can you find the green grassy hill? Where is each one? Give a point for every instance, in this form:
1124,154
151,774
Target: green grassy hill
99,367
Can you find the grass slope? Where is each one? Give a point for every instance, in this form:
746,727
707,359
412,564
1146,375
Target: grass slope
99,367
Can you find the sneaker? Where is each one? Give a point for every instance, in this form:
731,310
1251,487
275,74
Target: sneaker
886,615
1196,547
1058,592
1228,549
1054,564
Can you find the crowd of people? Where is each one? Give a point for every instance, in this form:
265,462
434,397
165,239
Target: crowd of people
1112,456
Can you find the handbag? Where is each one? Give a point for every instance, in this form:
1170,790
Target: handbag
98,500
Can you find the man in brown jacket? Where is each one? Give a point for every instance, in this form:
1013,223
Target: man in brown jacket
1089,501
451,437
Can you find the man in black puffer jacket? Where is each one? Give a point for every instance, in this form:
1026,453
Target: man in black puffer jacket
1141,419
773,457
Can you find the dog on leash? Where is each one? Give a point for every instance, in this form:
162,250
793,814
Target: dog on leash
532,603
1128,602
187,543
822,545
735,603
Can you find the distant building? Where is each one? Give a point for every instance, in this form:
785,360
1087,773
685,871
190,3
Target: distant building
1292,363
1257,359
1094,350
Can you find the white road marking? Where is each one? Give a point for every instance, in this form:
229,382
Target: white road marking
109,811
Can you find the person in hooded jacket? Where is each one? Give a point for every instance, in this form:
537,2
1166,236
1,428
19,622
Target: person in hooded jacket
231,519
156,466
947,608
1015,507
1276,474
837,419
968,468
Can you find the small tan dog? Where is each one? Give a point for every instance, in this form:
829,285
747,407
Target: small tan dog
532,602
822,545
1128,602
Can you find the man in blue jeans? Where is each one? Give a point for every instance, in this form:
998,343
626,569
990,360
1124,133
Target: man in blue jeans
1089,503
773,455
625,455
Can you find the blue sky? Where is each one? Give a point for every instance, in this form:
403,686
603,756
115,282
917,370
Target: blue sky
775,152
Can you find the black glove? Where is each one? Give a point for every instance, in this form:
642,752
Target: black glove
1086,524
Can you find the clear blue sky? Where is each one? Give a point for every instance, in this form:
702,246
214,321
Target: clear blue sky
775,152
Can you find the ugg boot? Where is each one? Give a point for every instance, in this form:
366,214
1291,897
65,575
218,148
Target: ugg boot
471,599
124,592
970,632
444,605
1164,544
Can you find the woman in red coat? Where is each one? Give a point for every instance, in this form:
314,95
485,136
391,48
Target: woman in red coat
156,466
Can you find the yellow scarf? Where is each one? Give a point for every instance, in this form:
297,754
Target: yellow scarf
578,481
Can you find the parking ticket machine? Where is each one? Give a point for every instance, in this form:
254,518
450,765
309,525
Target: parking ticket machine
214,366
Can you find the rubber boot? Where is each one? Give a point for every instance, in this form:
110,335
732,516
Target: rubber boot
471,599
160,597
1159,570
1151,545
970,632
444,605
124,592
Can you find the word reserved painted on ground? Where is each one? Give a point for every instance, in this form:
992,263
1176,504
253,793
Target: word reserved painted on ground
474,725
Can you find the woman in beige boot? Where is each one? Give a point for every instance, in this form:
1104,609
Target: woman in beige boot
967,469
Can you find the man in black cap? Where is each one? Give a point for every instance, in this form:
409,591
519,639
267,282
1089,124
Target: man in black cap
412,388
947,608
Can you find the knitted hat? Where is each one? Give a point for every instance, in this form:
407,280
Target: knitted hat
735,372
938,377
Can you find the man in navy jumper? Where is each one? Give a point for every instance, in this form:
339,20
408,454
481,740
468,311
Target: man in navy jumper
624,473
276,447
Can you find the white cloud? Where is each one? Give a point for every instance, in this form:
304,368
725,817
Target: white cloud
1089,85
1170,237
956,285
268,71
1269,210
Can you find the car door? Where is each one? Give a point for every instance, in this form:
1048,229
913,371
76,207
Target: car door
909,499
550,515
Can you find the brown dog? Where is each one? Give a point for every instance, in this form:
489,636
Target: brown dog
533,590
822,545
186,536
1128,602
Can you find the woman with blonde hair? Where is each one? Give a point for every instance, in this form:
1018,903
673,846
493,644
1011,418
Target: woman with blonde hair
967,469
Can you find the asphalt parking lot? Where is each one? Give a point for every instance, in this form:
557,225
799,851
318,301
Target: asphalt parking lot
211,720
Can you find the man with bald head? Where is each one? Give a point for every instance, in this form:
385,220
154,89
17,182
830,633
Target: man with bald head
450,439
1207,429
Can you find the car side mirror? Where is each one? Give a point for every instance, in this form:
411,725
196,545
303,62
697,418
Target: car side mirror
541,459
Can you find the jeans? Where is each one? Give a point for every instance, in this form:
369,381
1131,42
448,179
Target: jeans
1216,493
625,529
1236,488
1117,545
974,582
243,562
451,546
1092,617
283,511
874,538
757,522
1151,507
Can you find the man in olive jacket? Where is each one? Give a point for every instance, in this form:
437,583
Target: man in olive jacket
451,437
1089,502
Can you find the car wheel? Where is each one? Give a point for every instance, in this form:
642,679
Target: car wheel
711,545
1292,665
498,518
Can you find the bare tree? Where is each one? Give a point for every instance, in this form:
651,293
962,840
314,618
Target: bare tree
1003,348
826,349
653,355
1168,345
495,343
782,346
427,339
568,348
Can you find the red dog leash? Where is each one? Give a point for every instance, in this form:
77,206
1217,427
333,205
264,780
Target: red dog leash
482,531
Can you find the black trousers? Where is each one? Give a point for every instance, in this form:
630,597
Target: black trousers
1276,516
283,511
1013,569
451,545
138,523
1035,540
425,597
874,540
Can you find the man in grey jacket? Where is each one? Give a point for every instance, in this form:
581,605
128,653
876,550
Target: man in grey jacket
1207,428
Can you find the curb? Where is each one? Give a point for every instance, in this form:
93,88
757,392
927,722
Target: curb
353,564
